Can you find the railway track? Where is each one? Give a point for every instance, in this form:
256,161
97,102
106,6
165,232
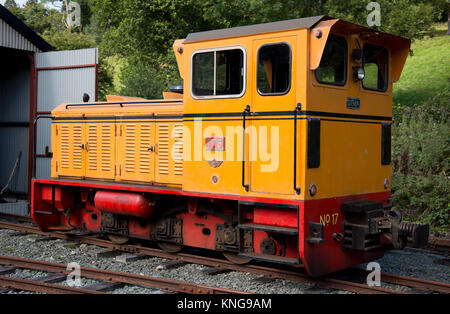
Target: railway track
269,272
106,276
439,244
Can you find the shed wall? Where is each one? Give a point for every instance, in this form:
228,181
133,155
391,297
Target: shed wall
11,38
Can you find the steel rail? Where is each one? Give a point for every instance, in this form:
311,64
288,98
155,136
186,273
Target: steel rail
413,282
36,286
326,283
120,277
439,243
16,217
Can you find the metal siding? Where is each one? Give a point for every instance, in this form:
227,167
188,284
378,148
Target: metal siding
10,38
67,58
43,168
15,96
15,208
57,86
14,140
14,107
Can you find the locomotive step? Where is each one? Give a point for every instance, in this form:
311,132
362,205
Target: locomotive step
60,228
267,228
272,258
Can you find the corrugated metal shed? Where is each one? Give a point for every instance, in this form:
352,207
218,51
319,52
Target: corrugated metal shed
64,58
63,76
11,38
17,35
14,121
18,44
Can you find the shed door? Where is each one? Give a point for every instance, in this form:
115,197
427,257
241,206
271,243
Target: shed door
61,77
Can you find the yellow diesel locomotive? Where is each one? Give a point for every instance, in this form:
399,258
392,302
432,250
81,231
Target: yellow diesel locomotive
277,148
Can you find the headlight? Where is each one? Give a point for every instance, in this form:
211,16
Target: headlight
360,74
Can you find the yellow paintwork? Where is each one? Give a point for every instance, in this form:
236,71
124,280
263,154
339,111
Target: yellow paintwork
117,148
350,146
318,39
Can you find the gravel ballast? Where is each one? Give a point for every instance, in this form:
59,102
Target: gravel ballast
419,264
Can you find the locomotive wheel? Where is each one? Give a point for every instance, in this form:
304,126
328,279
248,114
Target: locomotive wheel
169,247
118,239
236,259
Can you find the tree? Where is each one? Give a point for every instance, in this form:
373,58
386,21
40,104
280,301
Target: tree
408,18
12,6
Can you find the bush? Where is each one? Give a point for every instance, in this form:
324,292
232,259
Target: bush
141,80
424,199
421,161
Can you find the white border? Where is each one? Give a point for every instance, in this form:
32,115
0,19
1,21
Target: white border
244,87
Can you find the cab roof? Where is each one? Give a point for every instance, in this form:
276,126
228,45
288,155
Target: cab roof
308,22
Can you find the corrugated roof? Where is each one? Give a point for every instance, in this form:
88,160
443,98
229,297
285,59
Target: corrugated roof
256,29
24,30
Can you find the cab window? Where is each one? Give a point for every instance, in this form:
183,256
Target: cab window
218,73
376,68
274,69
333,66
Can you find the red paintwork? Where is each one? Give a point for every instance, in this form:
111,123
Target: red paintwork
318,259
127,204
139,229
63,198
275,217
193,233
164,191
31,117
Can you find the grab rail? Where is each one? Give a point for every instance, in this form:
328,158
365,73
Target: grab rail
121,103
246,186
298,108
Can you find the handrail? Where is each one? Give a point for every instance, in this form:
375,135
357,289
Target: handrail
298,108
246,186
34,141
121,103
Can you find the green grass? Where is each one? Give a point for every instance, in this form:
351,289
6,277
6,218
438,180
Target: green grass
426,73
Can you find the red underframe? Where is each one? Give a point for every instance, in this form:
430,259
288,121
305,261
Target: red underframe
318,259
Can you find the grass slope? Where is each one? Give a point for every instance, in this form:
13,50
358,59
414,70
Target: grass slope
426,73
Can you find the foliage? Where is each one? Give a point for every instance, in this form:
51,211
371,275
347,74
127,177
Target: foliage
68,41
421,159
140,80
407,18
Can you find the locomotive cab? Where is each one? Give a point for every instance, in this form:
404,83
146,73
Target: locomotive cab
278,149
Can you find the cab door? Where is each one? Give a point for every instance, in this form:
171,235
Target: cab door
271,144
